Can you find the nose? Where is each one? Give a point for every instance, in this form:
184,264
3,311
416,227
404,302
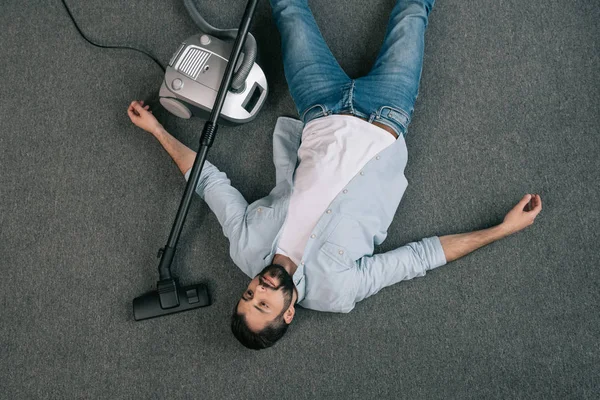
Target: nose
261,288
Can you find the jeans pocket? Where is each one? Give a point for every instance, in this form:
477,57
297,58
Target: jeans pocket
396,115
315,111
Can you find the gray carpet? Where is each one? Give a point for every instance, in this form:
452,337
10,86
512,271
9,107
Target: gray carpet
509,104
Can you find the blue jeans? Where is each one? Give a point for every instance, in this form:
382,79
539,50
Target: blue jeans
320,87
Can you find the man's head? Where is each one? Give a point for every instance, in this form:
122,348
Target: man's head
266,308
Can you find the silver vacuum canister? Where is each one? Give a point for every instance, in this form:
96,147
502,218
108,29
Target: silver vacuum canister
193,77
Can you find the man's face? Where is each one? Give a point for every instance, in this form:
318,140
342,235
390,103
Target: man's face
267,296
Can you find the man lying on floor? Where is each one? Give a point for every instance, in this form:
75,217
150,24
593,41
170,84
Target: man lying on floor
339,181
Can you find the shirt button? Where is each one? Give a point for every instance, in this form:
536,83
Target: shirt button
341,252
313,236
345,191
259,209
302,263
329,211
377,158
362,173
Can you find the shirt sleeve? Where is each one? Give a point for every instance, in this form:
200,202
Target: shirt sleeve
225,201
403,263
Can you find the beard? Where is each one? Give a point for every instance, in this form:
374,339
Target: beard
286,283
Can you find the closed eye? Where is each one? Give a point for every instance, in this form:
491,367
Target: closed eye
247,296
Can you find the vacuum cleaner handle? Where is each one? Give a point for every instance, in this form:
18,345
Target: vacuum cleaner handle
250,48
206,140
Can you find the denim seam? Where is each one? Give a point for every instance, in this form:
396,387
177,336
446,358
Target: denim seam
352,97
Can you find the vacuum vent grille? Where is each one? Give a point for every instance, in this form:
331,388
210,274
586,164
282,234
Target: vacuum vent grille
193,62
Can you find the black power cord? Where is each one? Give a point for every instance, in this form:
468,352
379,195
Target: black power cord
109,47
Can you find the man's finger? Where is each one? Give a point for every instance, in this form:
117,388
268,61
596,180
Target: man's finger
133,111
534,213
524,201
537,202
137,107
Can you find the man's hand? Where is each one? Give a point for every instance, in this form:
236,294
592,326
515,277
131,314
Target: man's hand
142,116
523,214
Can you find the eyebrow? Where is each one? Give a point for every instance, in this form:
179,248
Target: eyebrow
260,309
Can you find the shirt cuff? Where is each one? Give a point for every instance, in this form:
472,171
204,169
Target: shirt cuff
435,252
187,174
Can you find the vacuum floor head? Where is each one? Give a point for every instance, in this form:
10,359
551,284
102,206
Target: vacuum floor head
169,298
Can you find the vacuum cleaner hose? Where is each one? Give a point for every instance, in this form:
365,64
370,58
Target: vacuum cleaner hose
250,49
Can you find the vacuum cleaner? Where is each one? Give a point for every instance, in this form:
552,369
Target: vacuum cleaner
203,80
194,75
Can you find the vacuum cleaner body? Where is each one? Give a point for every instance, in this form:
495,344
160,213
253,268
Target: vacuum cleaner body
193,77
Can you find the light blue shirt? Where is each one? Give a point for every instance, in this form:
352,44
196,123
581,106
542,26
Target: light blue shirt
338,268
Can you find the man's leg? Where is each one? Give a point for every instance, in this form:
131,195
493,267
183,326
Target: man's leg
313,74
392,85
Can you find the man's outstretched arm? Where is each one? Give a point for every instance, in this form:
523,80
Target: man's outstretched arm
416,258
214,187
520,217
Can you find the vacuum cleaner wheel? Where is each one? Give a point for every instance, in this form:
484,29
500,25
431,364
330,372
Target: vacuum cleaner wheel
176,107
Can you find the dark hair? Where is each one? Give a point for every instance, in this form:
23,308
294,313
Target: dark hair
257,340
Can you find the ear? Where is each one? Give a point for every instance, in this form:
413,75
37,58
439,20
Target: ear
288,316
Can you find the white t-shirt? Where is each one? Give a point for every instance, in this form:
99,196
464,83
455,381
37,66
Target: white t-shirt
333,150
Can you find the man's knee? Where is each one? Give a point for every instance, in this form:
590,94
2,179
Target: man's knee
412,9
426,4
287,3
289,8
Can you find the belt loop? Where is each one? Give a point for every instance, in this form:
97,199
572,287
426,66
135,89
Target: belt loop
371,117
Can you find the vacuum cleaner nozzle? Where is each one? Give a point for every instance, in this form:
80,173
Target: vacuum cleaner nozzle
169,298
